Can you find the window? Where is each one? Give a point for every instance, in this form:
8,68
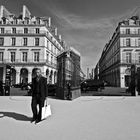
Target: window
36,41
139,42
51,38
138,31
13,41
1,56
25,30
47,43
52,47
2,30
47,33
47,57
24,56
55,50
37,31
1,41
25,41
51,59
128,42
138,57
128,57
127,31
14,30
36,56
13,56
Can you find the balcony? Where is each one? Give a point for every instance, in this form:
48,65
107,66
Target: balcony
32,33
129,35
132,61
29,62
18,32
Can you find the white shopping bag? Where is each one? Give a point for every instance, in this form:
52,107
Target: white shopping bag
46,111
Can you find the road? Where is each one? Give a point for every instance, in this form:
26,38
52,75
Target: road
108,91
85,118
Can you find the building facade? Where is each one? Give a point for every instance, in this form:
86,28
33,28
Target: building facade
122,51
28,42
69,74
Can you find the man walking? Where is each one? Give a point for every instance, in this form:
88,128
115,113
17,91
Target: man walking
39,94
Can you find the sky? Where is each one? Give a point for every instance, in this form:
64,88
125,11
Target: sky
86,25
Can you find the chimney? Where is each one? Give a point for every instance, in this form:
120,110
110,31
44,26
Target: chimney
60,38
55,31
25,13
49,21
4,12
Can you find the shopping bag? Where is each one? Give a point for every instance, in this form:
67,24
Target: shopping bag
46,112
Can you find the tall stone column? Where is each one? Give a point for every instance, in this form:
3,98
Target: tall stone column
56,77
17,77
52,78
29,77
4,73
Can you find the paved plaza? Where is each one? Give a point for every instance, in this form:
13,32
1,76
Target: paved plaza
85,118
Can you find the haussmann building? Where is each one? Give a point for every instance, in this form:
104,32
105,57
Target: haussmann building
28,42
120,53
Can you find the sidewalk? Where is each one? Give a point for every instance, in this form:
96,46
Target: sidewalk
108,91
85,118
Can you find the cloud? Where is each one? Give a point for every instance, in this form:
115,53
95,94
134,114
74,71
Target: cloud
71,21
88,36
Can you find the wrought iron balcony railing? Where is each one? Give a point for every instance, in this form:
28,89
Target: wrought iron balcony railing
31,32
28,61
130,61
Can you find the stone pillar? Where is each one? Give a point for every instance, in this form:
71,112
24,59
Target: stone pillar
4,74
29,77
56,78
52,78
17,77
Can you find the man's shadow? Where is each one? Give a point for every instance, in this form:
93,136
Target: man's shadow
16,116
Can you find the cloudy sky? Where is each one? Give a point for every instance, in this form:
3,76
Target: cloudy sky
86,25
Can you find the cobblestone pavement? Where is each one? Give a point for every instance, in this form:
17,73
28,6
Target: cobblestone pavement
85,118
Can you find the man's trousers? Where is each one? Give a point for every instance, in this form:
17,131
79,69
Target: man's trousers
37,100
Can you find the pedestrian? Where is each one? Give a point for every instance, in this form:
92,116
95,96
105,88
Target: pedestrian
69,91
39,94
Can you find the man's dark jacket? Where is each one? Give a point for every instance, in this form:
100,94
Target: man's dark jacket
43,89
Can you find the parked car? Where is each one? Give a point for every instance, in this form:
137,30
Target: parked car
92,85
17,85
26,86
51,89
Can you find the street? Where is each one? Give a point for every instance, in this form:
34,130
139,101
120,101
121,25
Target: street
85,118
108,91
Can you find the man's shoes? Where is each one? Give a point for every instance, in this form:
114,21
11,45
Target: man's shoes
33,119
37,121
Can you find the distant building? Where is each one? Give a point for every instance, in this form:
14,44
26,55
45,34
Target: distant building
96,72
87,73
27,42
122,51
69,69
